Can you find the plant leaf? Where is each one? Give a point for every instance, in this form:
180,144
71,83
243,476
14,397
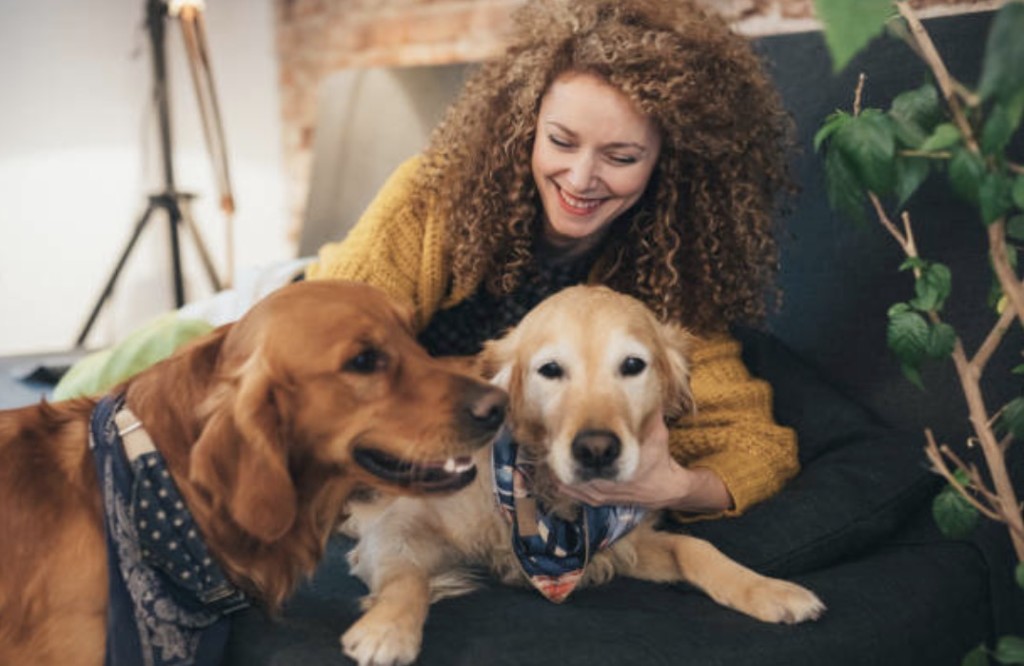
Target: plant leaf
844,191
941,340
955,517
976,657
997,131
1009,650
1012,418
1015,227
913,375
834,122
849,26
1002,75
1018,191
908,263
915,113
869,144
945,136
932,287
907,336
966,171
995,196
911,172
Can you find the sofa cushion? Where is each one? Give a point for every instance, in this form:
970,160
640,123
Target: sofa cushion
874,617
859,479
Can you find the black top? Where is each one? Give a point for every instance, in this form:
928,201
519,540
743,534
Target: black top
461,330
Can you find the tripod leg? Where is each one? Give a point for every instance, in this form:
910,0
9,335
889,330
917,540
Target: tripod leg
211,271
173,220
109,288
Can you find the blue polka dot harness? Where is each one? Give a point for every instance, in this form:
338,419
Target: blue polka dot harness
169,600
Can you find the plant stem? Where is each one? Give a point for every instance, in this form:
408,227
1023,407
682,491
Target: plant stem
992,340
1004,271
889,226
946,84
1008,506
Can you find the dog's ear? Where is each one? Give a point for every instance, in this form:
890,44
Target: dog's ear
240,458
497,360
677,342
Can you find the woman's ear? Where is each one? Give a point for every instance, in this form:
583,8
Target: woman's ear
679,399
241,458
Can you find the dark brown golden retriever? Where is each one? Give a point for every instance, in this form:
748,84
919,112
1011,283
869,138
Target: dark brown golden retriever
266,426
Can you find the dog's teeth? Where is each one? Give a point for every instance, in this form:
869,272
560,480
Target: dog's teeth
458,465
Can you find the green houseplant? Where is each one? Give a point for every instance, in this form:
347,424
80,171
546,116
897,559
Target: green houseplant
875,160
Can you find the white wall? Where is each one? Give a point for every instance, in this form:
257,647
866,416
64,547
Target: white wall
79,155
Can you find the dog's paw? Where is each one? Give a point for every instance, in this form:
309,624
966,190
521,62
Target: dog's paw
779,601
374,643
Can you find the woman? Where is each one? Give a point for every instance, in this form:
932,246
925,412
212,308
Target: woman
632,143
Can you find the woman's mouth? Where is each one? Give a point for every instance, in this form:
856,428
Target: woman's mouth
576,205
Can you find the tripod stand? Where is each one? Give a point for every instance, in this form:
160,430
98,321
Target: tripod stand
176,205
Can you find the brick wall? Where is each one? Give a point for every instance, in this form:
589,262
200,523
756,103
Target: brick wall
317,37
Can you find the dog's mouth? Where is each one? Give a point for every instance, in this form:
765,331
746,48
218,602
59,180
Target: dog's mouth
428,476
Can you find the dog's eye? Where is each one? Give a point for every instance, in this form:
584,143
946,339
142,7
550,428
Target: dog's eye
365,362
551,370
632,366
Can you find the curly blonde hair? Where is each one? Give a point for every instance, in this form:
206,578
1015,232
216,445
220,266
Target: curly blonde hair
698,247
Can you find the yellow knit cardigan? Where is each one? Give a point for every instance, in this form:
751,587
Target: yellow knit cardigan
733,432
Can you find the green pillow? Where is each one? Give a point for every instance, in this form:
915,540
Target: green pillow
99,372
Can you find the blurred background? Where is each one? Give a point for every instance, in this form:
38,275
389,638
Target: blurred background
79,150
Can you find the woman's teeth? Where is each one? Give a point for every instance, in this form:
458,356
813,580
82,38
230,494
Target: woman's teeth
585,204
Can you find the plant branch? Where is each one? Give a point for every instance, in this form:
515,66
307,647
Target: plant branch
992,340
1006,504
940,466
1012,288
858,94
930,155
990,448
1005,442
976,482
888,224
931,56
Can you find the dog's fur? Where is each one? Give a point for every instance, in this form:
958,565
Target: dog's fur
262,424
411,551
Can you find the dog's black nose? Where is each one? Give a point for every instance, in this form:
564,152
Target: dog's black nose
596,450
486,407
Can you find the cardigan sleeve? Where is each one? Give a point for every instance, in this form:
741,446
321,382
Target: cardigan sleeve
733,432
387,246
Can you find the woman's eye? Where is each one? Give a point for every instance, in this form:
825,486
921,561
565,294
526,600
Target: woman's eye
366,362
550,370
558,141
623,159
632,366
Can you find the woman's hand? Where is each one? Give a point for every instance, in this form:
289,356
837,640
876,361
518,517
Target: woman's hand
659,482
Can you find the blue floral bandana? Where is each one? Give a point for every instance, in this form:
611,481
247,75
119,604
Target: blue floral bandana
553,552
169,600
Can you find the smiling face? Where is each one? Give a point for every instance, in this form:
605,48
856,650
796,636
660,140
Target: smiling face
593,156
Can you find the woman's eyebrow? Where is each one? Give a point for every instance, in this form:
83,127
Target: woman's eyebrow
615,145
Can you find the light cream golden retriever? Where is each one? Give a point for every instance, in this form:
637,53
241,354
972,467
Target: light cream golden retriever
267,426
585,372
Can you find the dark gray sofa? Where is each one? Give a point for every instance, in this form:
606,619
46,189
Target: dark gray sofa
854,526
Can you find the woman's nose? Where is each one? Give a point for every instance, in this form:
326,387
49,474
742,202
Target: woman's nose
581,174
